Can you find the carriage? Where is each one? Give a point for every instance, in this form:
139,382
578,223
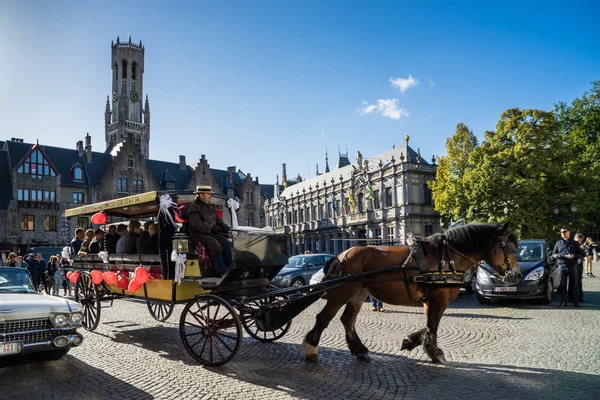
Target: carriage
218,309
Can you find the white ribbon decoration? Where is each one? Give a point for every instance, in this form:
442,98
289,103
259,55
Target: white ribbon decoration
104,256
165,203
179,260
234,205
66,253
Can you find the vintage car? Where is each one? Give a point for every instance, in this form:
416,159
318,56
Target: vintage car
31,322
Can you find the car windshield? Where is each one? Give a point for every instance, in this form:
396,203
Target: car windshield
530,252
297,261
15,280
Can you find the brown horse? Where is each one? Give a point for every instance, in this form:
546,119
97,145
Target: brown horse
448,255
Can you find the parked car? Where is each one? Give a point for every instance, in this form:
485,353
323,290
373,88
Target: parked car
317,277
540,276
299,269
470,286
31,322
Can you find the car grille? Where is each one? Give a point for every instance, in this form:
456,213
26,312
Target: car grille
30,331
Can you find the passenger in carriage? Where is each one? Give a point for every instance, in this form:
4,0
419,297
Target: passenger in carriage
149,246
84,249
206,227
135,228
111,239
122,235
98,244
143,238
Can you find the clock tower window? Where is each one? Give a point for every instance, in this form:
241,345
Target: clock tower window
133,70
124,87
124,69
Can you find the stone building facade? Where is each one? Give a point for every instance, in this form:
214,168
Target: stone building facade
376,200
38,182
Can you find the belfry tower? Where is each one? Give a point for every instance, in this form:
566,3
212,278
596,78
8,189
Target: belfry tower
124,119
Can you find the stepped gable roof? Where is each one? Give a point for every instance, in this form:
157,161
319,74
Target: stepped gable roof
346,172
164,171
63,160
5,179
342,161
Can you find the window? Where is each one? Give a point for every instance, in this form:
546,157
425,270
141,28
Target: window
124,87
390,232
376,202
122,185
124,69
314,213
77,198
50,223
36,165
82,222
388,197
78,173
170,186
138,186
36,195
250,220
133,71
322,211
361,200
289,218
49,196
130,162
428,230
27,223
427,196
249,197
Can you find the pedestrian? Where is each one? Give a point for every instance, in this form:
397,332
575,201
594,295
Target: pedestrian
11,261
377,305
21,263
565,252
66,283
57,280
580,239
590,248
51,271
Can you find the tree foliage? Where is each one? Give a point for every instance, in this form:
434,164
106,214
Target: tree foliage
533,162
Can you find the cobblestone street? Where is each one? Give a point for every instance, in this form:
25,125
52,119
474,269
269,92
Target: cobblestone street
508,349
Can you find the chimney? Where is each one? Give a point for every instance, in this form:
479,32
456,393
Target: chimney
230,172
182,162
283,174
88,148
80,147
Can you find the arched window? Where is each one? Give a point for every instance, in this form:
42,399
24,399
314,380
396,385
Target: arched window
133,69
124,69
78,173
360,202
130,162
116,72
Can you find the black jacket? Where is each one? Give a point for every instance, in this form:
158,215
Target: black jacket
111,242
565,247
131,243
205,226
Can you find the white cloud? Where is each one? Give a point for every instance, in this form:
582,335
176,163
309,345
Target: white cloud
404,84
385,107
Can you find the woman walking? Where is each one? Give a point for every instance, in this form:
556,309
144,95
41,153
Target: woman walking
58,278
589,247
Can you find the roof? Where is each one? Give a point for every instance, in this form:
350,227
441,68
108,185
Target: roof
267,191
346,172
63,160
164,171
5,180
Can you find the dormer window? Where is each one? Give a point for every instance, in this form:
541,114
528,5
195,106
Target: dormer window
169,185
78,173
130,162
36,165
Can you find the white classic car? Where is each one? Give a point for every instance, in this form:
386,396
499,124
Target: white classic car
31,322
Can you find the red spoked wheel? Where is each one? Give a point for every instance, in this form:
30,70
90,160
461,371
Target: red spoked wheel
210,330
88,295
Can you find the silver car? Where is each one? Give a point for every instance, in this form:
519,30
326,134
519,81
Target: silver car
299,269
31,322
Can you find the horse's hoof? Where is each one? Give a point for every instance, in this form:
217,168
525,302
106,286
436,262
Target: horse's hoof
440,360
313,358
363,357
407,344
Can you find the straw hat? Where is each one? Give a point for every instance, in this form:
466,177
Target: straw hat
203,189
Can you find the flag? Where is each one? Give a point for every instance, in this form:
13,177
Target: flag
370,195
333,207
350,199
284,183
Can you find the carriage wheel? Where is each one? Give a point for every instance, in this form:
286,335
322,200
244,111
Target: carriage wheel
250,325
160,311
88,295
210,330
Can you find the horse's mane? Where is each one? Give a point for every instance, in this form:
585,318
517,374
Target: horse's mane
472,238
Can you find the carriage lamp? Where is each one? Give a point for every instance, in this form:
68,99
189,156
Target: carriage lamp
180,243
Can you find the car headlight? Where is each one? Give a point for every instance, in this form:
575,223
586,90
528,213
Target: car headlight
535,274
59,319
482,277
279,277
76,318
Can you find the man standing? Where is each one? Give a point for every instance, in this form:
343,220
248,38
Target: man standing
207,227
77,240
566,251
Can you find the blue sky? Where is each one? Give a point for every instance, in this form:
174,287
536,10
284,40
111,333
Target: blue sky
259,83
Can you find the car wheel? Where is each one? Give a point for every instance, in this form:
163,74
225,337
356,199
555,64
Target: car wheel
52,355
483,300
548,293
297,282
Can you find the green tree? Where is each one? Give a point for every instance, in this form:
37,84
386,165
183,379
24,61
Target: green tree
448,189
